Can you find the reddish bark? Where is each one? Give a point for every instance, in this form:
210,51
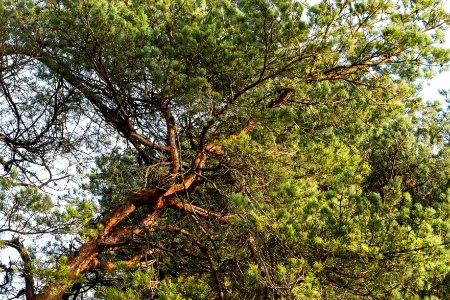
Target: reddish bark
79,262
110,236
108,265
195,210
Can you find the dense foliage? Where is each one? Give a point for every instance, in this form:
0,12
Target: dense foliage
223,150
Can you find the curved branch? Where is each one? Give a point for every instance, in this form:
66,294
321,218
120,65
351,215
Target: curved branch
27,268
113,117
96,264
155,199
198,211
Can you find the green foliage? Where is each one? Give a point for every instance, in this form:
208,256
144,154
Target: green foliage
132,285
358,213
115,175
339,191
190,288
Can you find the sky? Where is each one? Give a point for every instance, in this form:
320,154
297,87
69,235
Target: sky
442,80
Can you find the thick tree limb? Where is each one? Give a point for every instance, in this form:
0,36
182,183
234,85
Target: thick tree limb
171,138
79,262
283,97
154,198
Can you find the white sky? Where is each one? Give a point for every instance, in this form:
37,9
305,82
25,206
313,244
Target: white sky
441,81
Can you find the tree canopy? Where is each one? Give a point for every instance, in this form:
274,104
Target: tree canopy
223,150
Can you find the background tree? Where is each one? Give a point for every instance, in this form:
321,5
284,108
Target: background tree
223,149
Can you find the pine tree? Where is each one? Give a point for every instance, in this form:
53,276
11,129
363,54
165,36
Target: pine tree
223,150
